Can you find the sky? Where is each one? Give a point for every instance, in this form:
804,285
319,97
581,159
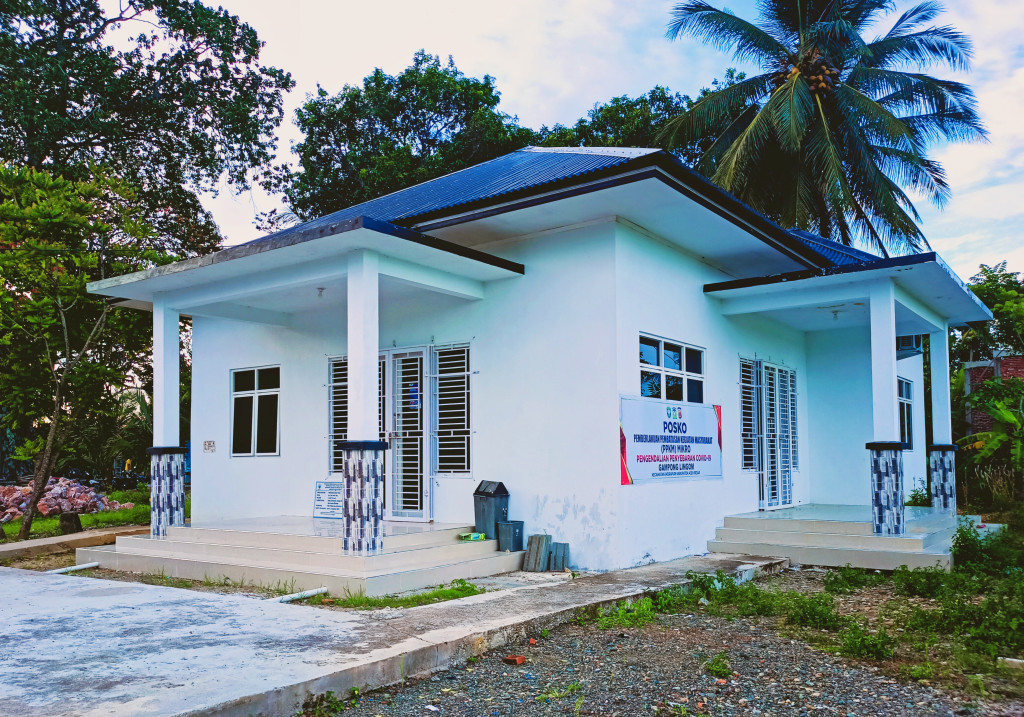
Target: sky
553,59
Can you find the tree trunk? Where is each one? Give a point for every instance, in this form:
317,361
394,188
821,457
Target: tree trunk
44,466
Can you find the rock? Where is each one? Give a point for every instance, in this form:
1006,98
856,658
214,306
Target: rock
70,523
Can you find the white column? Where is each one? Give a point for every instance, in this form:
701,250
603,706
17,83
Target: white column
942,430
363,346
885,407
166,392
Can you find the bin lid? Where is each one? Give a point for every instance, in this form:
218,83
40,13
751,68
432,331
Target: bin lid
491,487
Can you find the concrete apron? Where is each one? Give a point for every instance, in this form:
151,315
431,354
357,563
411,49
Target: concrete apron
81,646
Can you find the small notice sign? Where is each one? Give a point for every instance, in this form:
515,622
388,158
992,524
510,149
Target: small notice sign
209,446
328,499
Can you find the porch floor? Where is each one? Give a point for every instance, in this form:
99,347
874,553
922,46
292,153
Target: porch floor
834,535
307,553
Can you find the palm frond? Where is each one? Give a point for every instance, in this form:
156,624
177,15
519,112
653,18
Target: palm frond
725,31
733,173
713,111
793,112
710,158
934,45
922,175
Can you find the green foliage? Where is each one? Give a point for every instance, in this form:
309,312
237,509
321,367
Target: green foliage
918,497
628,614
457,589
845,580
817,610
47,527
178,101
923,671
66,354
834,129
556,694
855,641
394,131
718,666
967,543
929,582
1001,291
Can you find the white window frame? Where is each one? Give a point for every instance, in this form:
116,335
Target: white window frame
905,400
255,393
681,372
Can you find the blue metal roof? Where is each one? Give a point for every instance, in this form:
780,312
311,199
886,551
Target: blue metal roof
838,254
524,169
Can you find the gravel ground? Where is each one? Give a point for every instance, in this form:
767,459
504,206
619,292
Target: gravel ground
659,669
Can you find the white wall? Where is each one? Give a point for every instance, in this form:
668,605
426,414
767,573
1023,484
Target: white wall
839,386
544,402
660,292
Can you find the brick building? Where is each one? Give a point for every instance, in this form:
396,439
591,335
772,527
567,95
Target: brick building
976,372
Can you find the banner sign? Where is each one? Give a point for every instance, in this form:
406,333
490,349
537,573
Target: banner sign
668,441
328,499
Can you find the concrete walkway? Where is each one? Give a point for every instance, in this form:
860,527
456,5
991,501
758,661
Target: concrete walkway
73,645
63,543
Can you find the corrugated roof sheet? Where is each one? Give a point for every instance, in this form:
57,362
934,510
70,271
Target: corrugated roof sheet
524,169
838,254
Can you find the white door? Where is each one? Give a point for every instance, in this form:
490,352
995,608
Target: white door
768,408
408,494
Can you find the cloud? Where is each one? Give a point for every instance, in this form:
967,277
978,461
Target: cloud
553,59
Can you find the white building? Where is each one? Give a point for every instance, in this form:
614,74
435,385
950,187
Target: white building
550,319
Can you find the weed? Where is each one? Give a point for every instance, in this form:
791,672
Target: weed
718,666
324,705
843,581
545,632
553,694
923,671
473,659
918,497
967,543
627,614
817,610
579,706
360,601
855,641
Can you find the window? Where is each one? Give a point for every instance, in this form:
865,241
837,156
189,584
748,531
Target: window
254,411
906,401
671,370
452,433
337,399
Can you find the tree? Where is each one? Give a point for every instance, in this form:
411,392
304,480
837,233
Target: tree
836,126
1001,291
66,354
180,105
395,131
638,121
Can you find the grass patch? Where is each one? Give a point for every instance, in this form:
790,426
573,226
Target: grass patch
47,527
845,580
856,641
718,666
628,614
358,601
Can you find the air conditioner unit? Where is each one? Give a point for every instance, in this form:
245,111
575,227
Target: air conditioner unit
907,346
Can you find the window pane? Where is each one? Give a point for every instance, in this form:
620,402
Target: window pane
241,438
245,380
650,384
270,378
694,361
649,352
695,391
266,424
673,387
673,357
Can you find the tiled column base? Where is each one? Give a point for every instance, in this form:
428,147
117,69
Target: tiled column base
887,487
942,472
166,488
364,495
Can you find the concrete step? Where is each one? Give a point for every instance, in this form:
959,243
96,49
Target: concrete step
835,557
764,521
314,543
395,561
298,578
910,543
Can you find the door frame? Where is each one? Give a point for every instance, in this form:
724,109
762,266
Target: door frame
389,417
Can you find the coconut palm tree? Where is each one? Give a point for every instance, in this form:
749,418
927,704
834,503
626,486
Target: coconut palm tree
831,134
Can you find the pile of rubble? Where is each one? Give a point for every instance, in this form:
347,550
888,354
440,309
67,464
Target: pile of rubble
62,495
